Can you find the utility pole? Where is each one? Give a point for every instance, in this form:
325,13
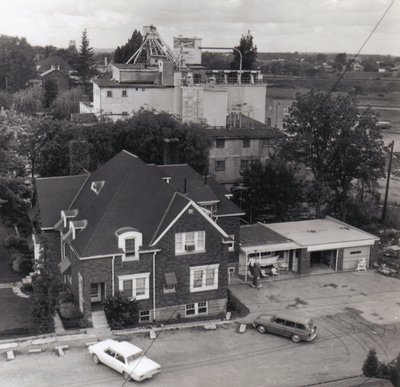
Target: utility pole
387,182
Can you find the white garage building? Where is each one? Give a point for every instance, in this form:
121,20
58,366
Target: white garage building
304,246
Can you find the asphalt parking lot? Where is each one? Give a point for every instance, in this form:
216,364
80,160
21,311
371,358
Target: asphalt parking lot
354,313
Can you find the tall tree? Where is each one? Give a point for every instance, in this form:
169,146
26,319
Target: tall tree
269,191
342,150
249,53
16,63
86,61
124,52
340,61
15,187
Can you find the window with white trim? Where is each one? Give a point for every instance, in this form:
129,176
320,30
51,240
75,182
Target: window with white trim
109,94
190,242
144,315
135,285
197,308
130,242
203,278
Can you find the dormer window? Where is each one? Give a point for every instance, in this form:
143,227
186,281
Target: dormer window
130,249
97,186
77,225
68,214
129,241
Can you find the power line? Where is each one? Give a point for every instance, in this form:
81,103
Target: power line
346,68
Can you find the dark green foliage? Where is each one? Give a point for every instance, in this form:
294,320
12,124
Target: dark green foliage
121,312
249,53
5,100
371,364
16,63
123,53
271,191
46,289
216,60
373,368
341,150
86,61
21,259
66,103
340,61
50,92
29,100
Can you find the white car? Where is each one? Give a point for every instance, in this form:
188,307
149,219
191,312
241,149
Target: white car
125,358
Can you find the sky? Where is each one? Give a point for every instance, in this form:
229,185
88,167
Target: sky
276,25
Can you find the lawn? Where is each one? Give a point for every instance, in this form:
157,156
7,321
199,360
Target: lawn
15,315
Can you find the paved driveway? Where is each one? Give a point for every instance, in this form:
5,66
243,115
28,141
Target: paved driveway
376,298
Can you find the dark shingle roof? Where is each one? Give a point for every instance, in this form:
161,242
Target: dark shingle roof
132,196
55,194
198,188
258,234
54,60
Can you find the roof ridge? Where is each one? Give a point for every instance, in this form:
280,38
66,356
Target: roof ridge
165,214
122,182
79,190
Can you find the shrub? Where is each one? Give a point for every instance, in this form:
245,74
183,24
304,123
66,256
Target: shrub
65,296
121,312
15,242
69,310
21,263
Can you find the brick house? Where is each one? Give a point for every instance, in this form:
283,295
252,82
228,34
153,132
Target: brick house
163,235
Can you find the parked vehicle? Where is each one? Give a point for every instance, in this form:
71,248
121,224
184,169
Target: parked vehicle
125,358
296,327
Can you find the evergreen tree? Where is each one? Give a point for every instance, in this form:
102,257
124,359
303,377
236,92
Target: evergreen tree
123,53
86,60
249,53
371,365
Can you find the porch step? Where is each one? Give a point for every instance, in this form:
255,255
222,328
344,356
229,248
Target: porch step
99,320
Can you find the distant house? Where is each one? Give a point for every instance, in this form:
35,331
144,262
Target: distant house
53,62
162,235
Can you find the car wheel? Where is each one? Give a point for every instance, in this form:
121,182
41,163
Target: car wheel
95,359
261,329
127,377
295,338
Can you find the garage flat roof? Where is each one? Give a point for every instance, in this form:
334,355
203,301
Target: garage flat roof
323,232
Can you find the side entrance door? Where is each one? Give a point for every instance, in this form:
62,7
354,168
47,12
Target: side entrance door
96,291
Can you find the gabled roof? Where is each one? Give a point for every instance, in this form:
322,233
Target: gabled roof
196,185
132,196
54,60
199,188
55,194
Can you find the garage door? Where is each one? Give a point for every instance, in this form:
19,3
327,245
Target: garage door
352,255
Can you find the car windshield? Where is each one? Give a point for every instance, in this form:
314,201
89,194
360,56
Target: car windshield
133,358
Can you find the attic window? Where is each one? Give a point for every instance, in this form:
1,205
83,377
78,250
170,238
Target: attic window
166,179
97,186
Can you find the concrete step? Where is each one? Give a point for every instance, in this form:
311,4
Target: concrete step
99,320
